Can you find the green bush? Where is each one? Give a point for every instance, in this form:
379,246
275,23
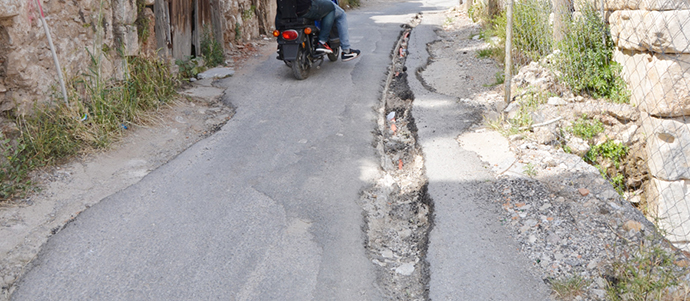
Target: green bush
585,59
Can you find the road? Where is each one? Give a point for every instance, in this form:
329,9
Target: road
267,207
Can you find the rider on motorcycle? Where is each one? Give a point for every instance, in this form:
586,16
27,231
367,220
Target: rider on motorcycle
328,12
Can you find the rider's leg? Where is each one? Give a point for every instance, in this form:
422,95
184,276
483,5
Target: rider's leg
341,24
323,10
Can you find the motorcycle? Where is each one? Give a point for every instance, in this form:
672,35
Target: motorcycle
297,40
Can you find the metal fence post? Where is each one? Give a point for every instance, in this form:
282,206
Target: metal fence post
509,46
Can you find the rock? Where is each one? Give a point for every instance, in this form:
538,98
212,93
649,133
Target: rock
669,203
217,73
608,194
667,154
387,253
556,101
405,269
633,225
660,84
535,75
614,5
124,12
592,264
583,191
626,136
657,31
544,135
600,293
578,146
9,8
126,37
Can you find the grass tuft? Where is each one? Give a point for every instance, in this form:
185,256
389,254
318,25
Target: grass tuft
97,114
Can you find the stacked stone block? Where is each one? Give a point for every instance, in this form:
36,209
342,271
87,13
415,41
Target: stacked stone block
124,28
652,40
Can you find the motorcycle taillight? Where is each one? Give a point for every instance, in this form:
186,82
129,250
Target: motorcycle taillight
290,34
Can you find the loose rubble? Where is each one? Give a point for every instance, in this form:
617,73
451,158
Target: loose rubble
397,208
568,219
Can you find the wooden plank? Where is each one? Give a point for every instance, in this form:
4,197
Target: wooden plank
162,28
202,19
217,21
181,28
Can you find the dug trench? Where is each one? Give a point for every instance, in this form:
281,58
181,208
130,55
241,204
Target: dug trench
397,209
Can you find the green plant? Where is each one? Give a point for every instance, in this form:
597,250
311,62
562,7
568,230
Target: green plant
530,170
586,128
248,13
189,67
487,52
568,288
648,274
607,158
532,34
96,115
500,78
238,31
142,22
211,50
585,59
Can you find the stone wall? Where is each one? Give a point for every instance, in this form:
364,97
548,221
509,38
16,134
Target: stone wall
653,46
27,71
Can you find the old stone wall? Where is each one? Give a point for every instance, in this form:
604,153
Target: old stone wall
652,38
27,71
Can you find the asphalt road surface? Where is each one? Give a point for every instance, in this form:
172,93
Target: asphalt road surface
265,209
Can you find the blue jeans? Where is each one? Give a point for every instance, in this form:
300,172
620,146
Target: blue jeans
323,10
341,24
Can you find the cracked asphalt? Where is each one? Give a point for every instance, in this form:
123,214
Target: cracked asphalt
267,207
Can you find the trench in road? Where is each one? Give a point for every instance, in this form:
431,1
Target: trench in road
397,209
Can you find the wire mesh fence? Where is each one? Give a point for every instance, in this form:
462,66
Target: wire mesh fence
608,81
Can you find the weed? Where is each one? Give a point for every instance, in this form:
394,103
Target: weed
211,50
569,288
500,78
648,274
607,158
586,128
530,170
532,34
248,13
238,31
142,22
585,59
95,115
448,21
189,67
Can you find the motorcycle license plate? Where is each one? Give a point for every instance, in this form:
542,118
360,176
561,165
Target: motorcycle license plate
290,51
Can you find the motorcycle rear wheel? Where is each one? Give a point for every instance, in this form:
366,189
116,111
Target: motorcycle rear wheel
300,67
334,56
